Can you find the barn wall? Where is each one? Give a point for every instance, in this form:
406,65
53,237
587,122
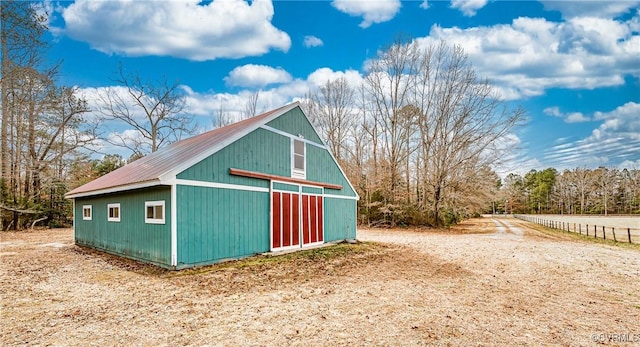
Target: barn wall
322,168
131,237
260,151
216,224
339,219
294,122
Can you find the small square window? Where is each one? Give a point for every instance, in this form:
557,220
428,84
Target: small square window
113,214
87,212
154,212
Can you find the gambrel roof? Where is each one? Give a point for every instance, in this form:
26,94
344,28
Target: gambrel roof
163,165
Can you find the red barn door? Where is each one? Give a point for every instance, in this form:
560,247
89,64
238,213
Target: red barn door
297,220
285,226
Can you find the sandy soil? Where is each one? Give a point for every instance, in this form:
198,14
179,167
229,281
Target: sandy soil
487,282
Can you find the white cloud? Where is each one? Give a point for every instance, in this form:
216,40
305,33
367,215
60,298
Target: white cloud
181,29
615,140
530,55
251,75
468,7
376,11
312,41
322,75
576,117
206,105
424,4
573,117
591,8
629,165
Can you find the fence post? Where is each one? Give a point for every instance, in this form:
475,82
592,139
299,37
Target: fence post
604,234
629,234
587,229
613,230
580,228
595,231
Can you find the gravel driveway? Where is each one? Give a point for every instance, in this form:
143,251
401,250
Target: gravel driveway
486,282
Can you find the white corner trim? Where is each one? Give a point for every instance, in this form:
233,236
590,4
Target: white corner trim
174,226
220,185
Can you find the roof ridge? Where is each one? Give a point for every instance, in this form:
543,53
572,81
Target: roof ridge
163,162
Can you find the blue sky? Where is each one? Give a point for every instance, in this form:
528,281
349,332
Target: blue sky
574,66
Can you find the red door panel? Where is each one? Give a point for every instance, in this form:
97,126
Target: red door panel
320,220
306,234
295,207
313,216
286,219
276,220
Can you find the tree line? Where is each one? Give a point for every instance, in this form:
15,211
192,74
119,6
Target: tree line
577,191
418,136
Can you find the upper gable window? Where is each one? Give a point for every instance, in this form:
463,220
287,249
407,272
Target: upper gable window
298,159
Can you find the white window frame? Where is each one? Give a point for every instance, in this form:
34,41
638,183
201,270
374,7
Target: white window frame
87,207
298,173
148,204
109,207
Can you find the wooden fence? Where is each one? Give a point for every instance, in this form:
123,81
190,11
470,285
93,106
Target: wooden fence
617,234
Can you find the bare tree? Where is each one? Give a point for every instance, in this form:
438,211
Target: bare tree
41,122
251,105
155,111
462,121
389,82
221,118
331,112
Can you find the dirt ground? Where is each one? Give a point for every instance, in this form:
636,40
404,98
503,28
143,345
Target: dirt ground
486,282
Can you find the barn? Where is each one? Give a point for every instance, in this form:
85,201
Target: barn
263,184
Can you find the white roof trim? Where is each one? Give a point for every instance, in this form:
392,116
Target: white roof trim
116,189
171,174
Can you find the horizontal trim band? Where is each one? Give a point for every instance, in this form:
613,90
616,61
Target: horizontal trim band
252,174
204,184
340,197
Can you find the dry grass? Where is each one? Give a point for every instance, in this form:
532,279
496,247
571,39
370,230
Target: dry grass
400,287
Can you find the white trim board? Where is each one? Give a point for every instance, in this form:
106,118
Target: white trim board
204,184
286,134
331,196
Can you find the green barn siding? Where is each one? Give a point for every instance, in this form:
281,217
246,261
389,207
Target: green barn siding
339,219
216,224
294,122
286,187
261,151
322,168
311,190
131,237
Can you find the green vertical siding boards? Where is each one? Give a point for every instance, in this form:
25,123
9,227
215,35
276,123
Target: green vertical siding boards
339,219
322,168
311,190
216,224
294,122
130,237
260,151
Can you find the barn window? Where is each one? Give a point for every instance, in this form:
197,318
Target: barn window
113,212
86,212
298,159
154,212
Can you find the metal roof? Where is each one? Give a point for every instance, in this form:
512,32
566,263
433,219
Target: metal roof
164,164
